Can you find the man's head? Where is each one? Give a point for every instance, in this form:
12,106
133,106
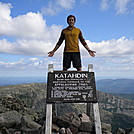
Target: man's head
71,20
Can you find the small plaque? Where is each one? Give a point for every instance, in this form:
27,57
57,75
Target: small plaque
71,86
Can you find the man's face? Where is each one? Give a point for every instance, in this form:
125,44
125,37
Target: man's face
71,21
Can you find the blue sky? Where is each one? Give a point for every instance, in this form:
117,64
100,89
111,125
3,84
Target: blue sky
29,29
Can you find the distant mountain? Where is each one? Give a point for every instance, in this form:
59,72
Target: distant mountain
118,86
126,96
5,81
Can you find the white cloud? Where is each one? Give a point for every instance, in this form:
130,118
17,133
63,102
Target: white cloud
66,4
55,6
5,11
25,47
121,6
31,64
104,4
119,47
83,1
33,59
114,48
29,26
50,9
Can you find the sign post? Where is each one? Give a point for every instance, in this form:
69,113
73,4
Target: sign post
71,87
48,127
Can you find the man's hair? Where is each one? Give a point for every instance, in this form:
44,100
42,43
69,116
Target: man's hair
71,16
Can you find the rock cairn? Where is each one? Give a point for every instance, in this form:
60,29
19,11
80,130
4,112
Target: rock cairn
17,118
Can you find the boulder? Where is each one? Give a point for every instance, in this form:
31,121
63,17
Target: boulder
62,131
69,119
12,103
31,131
84,118
27,122
55,128
87,127
68,131
5,131
83,133
10,119
131,131
120,131
106,128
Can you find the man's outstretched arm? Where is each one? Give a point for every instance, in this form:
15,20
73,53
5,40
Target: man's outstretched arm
51,53
82,40
62,37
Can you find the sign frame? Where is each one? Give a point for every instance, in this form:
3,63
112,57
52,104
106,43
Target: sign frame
71,87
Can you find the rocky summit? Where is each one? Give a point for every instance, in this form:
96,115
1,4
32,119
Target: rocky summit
22,111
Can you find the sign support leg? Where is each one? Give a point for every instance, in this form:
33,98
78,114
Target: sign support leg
89,105
48,128
97,118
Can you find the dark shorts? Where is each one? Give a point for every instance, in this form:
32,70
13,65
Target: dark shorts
73,57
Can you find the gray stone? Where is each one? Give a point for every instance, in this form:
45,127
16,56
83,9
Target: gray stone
62,131
17,132
84,118
106,127
120,131
27,122
5,131
83,133
132,131
55,128
31,131
10,119
14,131
69,119
68,131
87,127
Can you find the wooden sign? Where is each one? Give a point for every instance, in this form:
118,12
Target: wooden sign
71,86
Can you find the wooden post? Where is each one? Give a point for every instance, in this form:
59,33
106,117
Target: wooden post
89,105
97,118
95,108
48,128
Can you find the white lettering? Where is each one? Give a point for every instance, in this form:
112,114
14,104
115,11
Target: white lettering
71,75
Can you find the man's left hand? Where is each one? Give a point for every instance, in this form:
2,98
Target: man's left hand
92,53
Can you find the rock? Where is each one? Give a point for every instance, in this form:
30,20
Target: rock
62,131
120,131
15,131
69,119
5,131
10,119
74,130
83,133
131,131
84,118
55,128
87,127
18,132
12,103
68,131
31,131
27,122
106,127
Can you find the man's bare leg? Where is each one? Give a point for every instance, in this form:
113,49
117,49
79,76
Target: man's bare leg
65,68
79,69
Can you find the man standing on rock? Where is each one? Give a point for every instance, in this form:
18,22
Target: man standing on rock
71,34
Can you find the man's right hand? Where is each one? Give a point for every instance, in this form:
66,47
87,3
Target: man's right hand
50,54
